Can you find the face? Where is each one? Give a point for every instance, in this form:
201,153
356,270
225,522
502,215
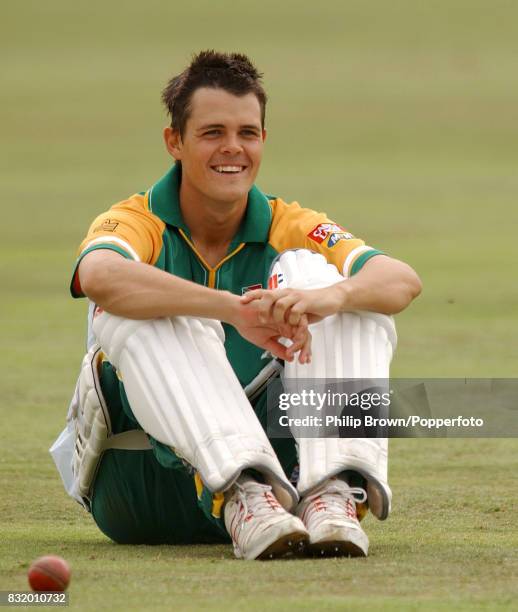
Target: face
222,145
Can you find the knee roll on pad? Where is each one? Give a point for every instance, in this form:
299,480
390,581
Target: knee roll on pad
183,392
345,346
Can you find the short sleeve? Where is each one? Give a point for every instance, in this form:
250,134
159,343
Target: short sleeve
128,228
294,227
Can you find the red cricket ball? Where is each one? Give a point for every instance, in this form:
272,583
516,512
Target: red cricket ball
49,573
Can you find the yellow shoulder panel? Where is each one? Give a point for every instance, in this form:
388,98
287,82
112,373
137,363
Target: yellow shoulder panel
296,227
131,226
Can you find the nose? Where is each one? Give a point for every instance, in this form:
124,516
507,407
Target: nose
231,145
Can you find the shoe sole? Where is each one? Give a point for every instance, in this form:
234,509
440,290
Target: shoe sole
335,548
290,545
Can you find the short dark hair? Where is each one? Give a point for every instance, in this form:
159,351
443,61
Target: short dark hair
233,72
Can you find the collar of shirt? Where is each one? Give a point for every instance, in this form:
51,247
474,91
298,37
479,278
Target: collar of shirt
164,202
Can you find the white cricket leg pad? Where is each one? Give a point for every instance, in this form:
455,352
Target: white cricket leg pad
184,393
78,450
352,345
92,422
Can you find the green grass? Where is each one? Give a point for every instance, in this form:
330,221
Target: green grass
399,120
450,543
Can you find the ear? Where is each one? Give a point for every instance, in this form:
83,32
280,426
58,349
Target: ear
264,134
173,142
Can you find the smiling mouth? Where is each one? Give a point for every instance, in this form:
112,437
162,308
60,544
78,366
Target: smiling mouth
228,169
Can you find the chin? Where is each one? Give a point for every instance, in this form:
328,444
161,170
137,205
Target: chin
232,195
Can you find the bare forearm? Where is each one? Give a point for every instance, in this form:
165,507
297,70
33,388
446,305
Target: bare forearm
140,291
383,285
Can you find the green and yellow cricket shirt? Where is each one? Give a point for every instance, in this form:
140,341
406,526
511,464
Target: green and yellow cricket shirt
149,227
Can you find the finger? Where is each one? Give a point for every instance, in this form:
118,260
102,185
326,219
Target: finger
303,324
299,340
301,330
296,313
289,331
305,352
279,350
265,305
257,294
299,337
282,306
261,306
250,296
280,293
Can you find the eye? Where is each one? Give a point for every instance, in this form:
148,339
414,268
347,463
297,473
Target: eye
213,132
250,132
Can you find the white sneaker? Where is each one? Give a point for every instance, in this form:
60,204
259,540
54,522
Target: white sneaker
329,515
259,526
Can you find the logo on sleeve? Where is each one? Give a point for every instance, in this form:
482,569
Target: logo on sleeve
334,238
329,230
108,225
275,280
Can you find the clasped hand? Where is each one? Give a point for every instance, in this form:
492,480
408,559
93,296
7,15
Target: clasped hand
266,316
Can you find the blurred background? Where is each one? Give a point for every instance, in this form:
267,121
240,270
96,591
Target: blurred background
398,119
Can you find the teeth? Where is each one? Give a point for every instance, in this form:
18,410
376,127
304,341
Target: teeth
228,168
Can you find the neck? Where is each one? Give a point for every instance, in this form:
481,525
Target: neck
212,223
